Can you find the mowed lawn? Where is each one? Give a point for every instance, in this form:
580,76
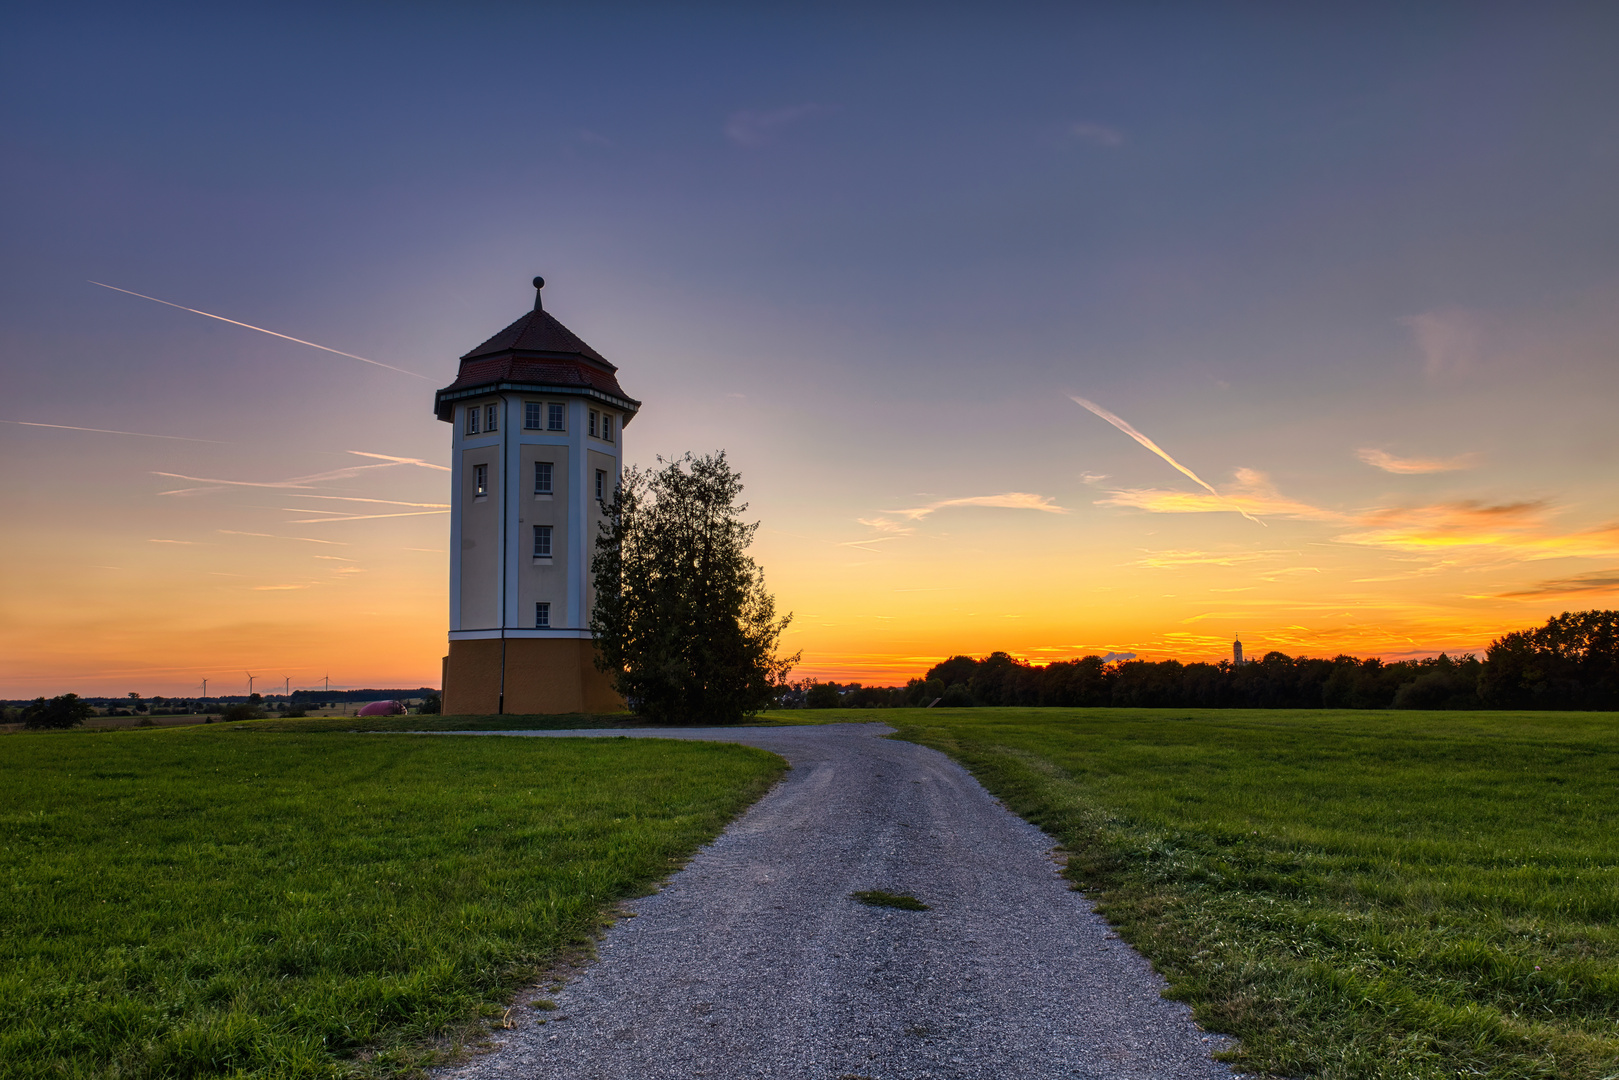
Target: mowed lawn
1353,894
220,902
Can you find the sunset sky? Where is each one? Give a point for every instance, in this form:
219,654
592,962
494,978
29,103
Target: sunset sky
1353,270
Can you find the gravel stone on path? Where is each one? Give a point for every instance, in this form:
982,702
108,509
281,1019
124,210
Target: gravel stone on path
754,961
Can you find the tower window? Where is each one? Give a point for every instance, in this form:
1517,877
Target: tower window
601,484
480,480
531,416
554,417
542,477
542,541
472,419
491,418
607,426
593,415
542,615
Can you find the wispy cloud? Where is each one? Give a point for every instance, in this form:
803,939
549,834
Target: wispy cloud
211,483
1251,494
1464,532
351,498
262,330
756,127
155,540
1476,532
1382,459
1175,558
418,462
281,588
273,536
867,542
1125,427
1097,134
360,517
1450,339
1011,500
887,525
1600,581
891,529
109,431
348,472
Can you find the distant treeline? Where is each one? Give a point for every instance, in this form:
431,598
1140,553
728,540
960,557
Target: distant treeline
1572,662
313,697
307,698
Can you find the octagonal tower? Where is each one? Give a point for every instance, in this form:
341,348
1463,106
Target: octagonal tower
537,420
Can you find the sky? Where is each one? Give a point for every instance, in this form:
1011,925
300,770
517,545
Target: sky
1055,329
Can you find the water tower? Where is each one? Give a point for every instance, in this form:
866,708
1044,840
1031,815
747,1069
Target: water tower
537,420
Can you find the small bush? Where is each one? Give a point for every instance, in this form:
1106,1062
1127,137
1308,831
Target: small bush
432,705
242,711
821,696
65,711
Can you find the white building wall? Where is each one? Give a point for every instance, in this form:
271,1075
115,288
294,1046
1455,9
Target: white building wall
495,582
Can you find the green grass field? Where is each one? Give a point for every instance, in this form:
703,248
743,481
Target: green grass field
222,902
1353,894
557,722
507,722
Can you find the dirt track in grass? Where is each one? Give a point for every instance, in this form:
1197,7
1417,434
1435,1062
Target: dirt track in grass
756,961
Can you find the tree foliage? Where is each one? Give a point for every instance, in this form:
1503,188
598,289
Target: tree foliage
64,711
682,620
1572,662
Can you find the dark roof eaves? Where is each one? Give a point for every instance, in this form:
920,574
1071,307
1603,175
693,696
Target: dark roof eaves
628,404
539,354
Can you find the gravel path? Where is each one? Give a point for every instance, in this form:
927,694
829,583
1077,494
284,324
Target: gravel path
753,961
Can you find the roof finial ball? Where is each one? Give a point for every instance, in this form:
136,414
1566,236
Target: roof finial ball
539,283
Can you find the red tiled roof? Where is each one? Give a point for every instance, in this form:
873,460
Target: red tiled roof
536,350
541,371
536,331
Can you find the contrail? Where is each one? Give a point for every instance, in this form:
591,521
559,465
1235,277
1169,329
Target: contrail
402,460
1124,426
353,498
262,330
109,431
355,517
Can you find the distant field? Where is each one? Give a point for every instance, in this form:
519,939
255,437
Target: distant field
1354,894
218,902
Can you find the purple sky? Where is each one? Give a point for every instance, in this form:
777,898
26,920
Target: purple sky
870,254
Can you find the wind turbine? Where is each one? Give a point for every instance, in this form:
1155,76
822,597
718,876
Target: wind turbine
250,677
205,688
286,685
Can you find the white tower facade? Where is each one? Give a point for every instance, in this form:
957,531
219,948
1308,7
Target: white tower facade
538,423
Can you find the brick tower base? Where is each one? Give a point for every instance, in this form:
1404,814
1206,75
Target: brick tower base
542,675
